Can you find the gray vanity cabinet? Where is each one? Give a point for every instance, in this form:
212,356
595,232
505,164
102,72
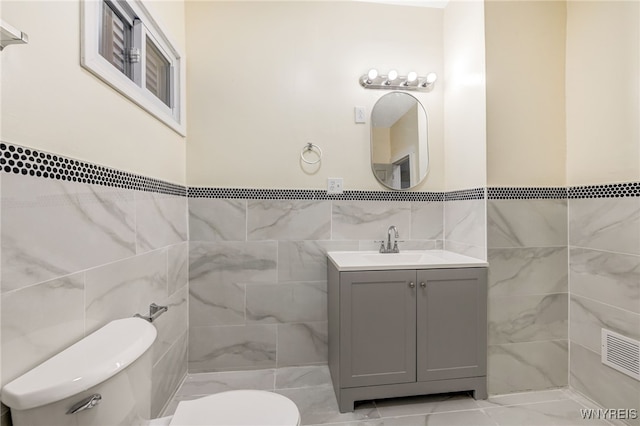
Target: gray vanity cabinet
378,328
451,323
407,332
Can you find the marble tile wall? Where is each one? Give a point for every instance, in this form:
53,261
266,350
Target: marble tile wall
604,276
465,227
78,255
258,279
528,294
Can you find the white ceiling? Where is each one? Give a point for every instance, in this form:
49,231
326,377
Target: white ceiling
418,3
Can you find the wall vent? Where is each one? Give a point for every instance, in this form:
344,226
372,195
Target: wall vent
621,353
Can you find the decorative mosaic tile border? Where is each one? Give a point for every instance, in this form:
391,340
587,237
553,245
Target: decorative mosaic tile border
514,193
465,194
309,194
30,162
614,190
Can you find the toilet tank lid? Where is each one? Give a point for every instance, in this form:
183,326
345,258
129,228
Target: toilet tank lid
89,362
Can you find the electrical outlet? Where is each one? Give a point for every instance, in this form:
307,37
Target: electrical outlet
334,186
359,113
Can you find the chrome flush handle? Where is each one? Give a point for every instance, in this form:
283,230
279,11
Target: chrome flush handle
87,403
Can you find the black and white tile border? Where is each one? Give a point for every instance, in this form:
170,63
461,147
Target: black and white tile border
614,190
514,193
30,162
465,194
309,194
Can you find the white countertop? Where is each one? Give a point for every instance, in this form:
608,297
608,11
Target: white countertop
406,259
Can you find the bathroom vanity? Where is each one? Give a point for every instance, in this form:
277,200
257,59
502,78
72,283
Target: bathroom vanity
406,323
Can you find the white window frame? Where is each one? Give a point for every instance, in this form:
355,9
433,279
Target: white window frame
135,90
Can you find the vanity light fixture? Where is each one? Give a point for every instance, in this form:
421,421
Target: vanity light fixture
429,80
393,75
411,77
393,81
371,76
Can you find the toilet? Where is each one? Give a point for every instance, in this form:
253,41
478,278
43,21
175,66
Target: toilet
105,380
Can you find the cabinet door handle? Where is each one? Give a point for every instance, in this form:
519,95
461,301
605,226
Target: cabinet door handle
423,285
412,285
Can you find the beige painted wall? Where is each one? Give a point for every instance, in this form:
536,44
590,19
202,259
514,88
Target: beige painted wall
405,141
267,77
381,141
404,133
50,102
603,56
525,52
465,99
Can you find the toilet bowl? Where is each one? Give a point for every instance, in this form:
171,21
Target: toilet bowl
234,408
105,379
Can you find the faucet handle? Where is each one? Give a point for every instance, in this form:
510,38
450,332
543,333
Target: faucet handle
396,249
382,249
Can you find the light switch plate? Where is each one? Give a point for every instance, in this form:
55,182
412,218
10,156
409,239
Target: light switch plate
360,114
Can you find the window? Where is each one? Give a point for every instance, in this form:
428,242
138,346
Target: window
115,37
157,71
123,46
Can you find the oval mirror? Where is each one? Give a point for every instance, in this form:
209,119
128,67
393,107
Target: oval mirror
399,149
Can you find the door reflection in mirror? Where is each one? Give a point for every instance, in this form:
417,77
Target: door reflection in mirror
399,146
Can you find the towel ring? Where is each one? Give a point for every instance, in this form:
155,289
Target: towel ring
310,147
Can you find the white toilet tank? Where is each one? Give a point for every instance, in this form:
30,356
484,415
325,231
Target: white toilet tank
108,371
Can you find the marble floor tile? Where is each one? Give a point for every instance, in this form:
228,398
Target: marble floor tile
318,405
375,422
310,389
523,398
543,413
426,404
455,418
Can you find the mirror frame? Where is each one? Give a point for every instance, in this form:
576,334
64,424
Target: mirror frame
426,131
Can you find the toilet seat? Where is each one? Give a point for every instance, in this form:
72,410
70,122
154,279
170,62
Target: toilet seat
238,408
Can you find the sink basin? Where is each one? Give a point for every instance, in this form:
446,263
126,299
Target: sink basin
408,259
399,258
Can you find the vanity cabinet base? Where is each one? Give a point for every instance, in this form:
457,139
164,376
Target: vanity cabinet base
403,332
347,396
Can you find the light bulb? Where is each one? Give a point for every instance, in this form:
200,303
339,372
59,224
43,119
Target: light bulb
431,78
373,73
412,76
393,74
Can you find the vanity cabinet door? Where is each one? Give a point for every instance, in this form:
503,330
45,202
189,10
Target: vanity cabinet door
451,323
377,327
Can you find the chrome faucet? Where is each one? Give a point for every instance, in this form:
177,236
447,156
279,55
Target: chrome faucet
388,248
